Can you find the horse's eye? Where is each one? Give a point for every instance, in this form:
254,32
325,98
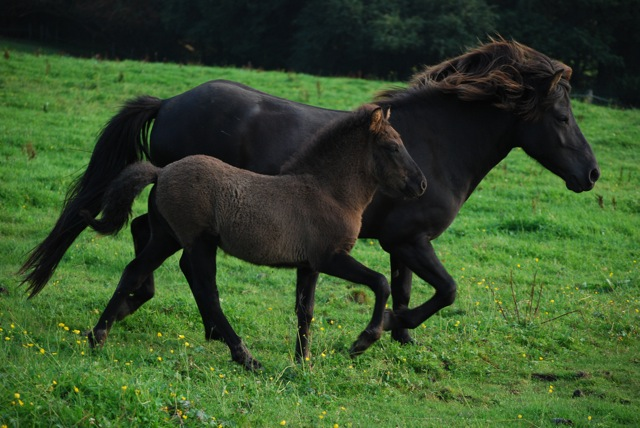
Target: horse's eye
562,118
393,148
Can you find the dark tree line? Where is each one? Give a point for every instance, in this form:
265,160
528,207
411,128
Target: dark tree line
599,39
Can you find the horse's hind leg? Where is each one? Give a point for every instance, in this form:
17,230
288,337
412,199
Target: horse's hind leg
134,275
141,232
199,266
305,299
346,267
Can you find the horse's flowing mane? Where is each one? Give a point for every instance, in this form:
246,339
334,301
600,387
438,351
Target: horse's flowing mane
506,73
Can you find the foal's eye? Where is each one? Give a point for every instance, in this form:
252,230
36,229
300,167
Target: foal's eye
392,148
562,119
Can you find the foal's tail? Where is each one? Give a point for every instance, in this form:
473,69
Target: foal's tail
124,140
119,197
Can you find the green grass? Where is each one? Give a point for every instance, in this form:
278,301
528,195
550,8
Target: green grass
571,356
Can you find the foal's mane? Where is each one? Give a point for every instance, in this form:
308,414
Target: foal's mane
506,73
330,138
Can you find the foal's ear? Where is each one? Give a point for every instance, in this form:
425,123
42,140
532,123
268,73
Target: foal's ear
377,120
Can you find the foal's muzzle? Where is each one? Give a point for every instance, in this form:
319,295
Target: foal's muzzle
415,186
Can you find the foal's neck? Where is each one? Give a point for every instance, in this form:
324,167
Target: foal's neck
342,166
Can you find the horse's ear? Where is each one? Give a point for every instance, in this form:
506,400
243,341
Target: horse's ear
376,120
553,83
388,115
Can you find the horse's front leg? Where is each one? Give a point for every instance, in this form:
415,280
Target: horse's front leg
306,281
401,277
346,267
420,257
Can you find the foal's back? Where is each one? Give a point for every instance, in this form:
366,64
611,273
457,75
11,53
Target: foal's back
284,220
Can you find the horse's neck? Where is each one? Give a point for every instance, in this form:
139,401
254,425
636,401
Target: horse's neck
458,142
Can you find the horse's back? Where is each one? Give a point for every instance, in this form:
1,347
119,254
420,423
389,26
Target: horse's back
235,123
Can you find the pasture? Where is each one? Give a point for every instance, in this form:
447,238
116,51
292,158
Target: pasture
544,331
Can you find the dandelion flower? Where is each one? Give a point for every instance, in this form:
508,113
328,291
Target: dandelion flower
75,389
283,422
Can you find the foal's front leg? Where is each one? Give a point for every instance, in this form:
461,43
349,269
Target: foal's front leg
344,266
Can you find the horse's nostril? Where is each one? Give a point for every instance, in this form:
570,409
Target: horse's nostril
423,185
594,175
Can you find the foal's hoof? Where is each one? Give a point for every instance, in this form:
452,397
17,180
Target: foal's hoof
252,365
96,338
364,341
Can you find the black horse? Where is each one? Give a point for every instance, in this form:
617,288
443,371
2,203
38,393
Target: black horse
458,120
307,216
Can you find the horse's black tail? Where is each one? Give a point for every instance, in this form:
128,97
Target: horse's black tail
124,140
119,197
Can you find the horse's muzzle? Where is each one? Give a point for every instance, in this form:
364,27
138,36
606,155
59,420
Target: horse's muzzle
577,185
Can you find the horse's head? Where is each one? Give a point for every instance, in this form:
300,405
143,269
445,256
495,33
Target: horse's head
552,136
519,79
397,173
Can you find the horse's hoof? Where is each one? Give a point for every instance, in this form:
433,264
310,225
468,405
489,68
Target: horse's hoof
96,338
241,355
364,341
402,336
389,320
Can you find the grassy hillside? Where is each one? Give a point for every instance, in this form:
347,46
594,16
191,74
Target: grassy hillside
544,331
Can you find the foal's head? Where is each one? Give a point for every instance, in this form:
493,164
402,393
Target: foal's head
396,172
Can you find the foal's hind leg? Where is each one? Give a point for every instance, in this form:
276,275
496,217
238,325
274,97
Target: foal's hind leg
199,266
136,272
210,330
346,267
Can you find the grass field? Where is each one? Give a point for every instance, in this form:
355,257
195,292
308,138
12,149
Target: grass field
544,331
